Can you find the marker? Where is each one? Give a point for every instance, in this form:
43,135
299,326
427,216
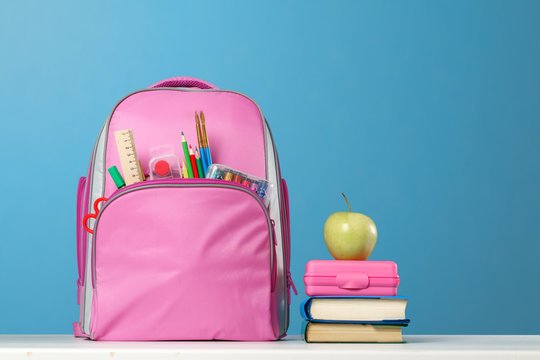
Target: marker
246,182
206,142
201,143
127,153
117,177
193,163
237,178
199,163
228,176
186,155
184,169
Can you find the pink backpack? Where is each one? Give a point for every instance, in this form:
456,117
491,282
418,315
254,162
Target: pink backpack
184,259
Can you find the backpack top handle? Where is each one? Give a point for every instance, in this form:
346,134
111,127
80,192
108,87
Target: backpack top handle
184,81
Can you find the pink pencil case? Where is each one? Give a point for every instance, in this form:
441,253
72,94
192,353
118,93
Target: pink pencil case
351,278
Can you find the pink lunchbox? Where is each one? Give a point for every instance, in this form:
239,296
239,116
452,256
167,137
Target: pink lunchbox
351,278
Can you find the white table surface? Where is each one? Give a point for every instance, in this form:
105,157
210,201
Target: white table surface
293,347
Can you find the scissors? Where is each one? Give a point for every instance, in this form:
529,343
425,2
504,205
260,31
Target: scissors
93,216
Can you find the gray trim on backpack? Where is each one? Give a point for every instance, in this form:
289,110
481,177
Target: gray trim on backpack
275,213
98,162
282,292
96,185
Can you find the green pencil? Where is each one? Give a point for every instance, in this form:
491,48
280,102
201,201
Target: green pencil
186,154
199,163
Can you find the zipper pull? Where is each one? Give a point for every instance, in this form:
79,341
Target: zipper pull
291,282
79,285
274,231
274,255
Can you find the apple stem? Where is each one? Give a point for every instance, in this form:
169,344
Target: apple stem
347,202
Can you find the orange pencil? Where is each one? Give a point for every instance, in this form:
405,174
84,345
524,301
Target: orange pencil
193,162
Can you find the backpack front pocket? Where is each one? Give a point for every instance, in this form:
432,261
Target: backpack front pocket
184,260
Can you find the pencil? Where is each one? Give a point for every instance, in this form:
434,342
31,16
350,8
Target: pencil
199,163
184,169
193,162
142,172
186,155
201,143
206,143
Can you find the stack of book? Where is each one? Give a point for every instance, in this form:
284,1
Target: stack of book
349,306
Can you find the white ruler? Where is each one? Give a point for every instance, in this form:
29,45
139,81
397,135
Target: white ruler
128,157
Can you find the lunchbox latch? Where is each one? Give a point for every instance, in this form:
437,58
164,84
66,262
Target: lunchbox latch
358,280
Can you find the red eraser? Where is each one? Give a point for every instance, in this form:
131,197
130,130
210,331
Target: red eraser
162,168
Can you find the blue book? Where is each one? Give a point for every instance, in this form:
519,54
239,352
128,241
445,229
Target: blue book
383,310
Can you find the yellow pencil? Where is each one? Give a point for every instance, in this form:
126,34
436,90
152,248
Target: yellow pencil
184,169
142,172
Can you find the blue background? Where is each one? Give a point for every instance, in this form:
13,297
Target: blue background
425,113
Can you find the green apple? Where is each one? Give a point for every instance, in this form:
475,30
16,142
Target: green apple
350,235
